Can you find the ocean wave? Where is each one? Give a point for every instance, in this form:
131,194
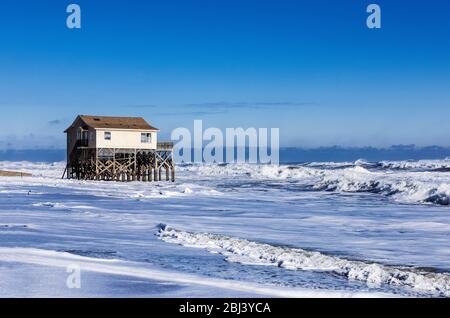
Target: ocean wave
418,187
416,182
412,165
414,187
417,165
243,251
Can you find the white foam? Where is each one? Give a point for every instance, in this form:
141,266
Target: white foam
49,175
41,169
416,165
403,186
249,252
49,204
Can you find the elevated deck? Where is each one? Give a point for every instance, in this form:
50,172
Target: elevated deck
164,146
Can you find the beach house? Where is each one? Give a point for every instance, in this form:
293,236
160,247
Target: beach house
116,148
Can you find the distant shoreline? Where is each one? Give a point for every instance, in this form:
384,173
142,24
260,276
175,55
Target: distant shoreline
4,173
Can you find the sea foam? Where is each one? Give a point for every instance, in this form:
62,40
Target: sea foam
243,251
408,185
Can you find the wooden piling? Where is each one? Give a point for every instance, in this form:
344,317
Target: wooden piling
122,165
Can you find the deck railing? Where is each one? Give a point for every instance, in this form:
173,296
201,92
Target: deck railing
164,145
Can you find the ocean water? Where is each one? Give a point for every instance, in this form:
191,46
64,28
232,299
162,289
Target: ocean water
347,228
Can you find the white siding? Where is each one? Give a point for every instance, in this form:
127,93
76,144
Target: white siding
127,139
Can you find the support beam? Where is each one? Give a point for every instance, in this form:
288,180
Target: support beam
120,164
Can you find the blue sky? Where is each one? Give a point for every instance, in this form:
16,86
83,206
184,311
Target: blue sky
311,68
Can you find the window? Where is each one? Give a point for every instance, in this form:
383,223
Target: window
146,138
107,135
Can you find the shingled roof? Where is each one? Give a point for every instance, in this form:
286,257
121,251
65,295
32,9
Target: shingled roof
137,123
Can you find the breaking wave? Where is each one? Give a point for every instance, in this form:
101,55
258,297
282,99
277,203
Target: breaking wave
400,184
419,165
413,187
247,252
412,182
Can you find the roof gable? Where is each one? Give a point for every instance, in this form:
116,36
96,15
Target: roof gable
104,122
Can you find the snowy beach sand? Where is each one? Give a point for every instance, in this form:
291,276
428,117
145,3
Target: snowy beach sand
305,230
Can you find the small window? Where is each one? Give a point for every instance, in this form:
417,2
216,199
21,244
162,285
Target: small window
146,138
107,135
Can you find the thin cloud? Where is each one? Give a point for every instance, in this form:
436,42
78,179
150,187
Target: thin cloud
218,107
248,105
55,122
141,106
192,113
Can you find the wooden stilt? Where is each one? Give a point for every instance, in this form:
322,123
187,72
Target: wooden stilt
123,165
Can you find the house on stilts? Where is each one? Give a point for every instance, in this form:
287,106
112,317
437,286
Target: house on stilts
117,148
